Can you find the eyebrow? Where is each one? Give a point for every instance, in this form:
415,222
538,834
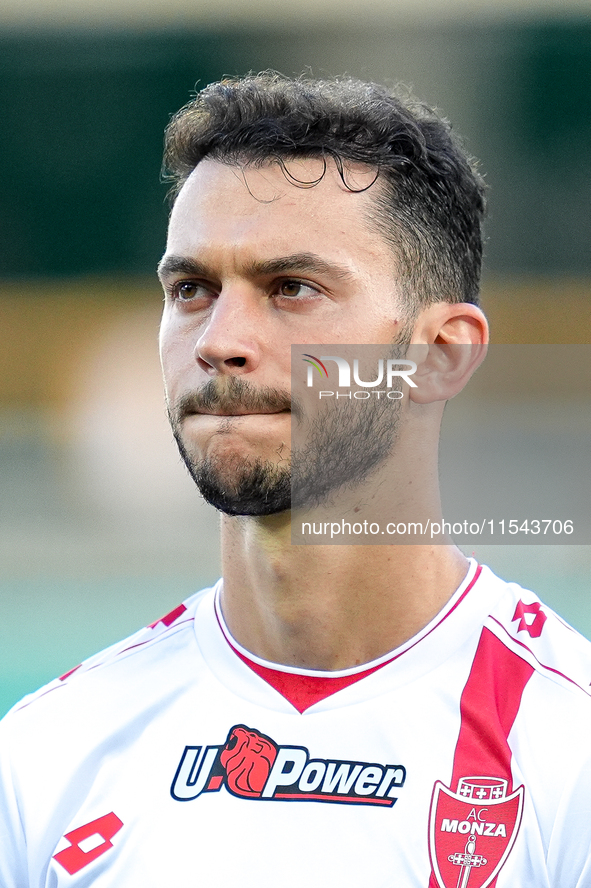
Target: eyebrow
296,262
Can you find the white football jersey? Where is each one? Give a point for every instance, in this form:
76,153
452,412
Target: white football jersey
176,758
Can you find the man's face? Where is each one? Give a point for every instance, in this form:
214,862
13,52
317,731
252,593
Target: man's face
254,264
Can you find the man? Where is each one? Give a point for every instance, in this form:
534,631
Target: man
342,715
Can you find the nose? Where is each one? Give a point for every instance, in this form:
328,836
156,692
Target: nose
229,342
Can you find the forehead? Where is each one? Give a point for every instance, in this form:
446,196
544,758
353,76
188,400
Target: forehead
276,202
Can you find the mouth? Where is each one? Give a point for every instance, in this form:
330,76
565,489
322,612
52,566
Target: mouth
233,399
236,412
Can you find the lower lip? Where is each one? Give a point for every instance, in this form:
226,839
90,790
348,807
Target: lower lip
236,415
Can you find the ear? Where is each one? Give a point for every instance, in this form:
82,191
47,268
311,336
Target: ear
450,341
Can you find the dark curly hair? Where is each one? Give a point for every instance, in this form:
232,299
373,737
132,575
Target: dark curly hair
429,196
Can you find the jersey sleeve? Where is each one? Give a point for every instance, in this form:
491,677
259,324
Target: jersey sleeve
569,850
13,859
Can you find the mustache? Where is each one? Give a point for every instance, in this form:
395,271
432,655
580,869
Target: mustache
231,395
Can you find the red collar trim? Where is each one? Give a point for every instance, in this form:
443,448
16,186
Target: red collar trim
303,690
300,689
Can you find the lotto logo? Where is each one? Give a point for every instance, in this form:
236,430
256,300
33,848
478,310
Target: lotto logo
251,765
88,842
531,618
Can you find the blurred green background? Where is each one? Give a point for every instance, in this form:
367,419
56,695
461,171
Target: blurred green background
100,531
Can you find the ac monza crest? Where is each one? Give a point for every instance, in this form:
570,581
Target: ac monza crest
472,830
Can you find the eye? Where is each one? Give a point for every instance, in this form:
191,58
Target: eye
187,291
293,289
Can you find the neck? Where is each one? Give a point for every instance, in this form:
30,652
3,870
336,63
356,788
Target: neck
346,606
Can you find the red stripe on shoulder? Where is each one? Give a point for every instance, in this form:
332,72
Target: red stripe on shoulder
168,619
543,665
490,702
70,672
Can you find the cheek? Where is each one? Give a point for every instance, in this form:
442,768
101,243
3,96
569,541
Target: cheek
176,356
164,349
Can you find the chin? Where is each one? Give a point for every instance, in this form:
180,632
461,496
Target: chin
254,496
239,486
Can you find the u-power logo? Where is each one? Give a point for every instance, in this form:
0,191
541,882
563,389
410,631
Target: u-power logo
389,371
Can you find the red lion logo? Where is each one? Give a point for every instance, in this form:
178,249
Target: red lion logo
247,758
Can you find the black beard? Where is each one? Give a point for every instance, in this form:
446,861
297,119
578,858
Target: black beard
259,488
340,449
